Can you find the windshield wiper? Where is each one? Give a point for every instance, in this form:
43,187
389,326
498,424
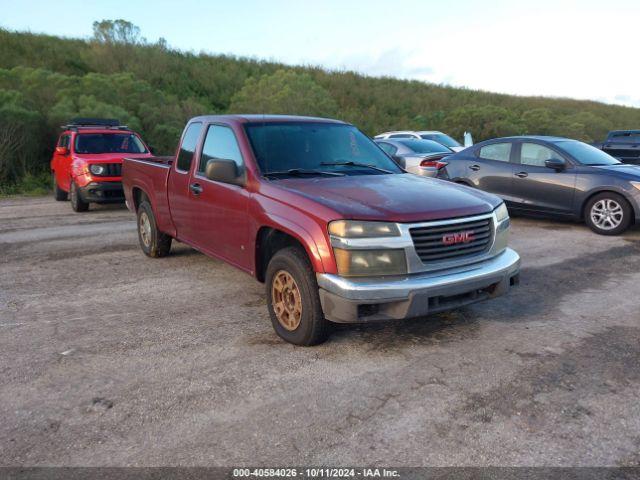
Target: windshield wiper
300,172
356,164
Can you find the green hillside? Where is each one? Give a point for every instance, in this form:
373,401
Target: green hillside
46,80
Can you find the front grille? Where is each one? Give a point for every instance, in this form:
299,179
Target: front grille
453,241
111,170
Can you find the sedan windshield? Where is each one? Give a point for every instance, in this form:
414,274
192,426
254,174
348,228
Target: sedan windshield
445,140
425,146
316,147
586,154
108,143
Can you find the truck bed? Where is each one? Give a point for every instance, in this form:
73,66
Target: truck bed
149,175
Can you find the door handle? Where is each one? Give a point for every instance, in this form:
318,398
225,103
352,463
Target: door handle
475,168
195,188
522,174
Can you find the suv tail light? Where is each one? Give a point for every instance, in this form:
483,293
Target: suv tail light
436,163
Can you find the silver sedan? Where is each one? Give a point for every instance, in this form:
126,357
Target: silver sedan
420,157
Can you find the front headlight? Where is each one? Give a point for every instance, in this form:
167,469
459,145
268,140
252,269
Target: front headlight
356,229
357,263
96,169
502,213
636,184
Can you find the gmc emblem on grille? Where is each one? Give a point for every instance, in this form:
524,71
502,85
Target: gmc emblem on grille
459,237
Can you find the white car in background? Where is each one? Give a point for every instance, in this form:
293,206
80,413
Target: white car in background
441,138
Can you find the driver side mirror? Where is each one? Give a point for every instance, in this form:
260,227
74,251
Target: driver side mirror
62,150
556,164
225,171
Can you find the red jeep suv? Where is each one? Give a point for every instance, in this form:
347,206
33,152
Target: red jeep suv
87,162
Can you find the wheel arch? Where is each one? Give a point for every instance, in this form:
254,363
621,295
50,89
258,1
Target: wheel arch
269,240
462,181
138,195
590,195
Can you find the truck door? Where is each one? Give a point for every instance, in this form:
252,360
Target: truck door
178,190
218,222
539,188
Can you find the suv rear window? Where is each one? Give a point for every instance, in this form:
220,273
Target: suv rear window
108,143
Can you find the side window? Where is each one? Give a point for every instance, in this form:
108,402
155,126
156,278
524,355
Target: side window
221,143
535,155
496,151
188,146
388,148
64,141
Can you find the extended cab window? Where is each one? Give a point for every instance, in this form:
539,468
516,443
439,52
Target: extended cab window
188,146
535,155
220,143
500,152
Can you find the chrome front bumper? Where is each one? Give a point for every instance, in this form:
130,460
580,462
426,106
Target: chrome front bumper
347,300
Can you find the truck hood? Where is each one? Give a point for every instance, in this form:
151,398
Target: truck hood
631,172
396,198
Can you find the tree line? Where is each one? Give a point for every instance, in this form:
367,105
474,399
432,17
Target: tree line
47,80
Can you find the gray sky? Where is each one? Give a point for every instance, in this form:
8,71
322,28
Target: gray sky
581,49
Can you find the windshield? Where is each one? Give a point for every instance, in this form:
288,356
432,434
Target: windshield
586,154
445,140
108,143
425,146
317,147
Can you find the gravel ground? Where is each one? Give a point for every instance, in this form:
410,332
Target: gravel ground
112,358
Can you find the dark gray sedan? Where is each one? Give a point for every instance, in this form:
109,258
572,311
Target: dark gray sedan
553,176
420,157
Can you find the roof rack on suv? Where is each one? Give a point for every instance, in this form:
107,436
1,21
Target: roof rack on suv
111,123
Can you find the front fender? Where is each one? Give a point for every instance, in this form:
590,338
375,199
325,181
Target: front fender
317,249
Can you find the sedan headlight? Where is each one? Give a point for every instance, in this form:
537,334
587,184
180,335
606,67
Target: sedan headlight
354,263
97,169
502,213
356,229
636,184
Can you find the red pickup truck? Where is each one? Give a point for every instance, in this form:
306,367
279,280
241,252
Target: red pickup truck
318,212
87,161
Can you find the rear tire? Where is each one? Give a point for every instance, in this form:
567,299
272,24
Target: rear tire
293,300
77,204
153,242
59,194
608,214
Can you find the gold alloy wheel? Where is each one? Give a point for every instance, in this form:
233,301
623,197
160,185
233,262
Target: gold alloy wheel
287,303
145,228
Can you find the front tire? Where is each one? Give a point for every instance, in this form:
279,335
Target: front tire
77,204
292,298
153,242
59,194
608,214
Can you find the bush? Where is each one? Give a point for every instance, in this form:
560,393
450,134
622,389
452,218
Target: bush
45,80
